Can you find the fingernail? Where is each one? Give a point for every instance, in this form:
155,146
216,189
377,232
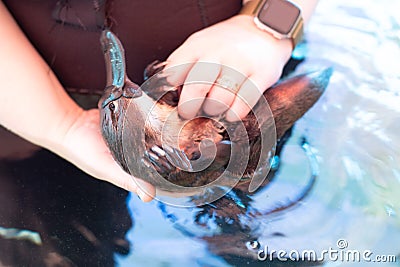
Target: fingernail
141,195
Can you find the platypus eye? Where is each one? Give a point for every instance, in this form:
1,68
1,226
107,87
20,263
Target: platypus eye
112,106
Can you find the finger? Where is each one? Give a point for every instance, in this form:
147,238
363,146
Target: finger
120,178
94,157
145,191
250,92
245,99
197,85
223,92
176,73
179,63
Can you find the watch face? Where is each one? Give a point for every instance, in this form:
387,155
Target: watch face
280,15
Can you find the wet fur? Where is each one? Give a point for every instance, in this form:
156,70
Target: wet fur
288,100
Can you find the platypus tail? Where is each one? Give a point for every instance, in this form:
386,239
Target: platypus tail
293,97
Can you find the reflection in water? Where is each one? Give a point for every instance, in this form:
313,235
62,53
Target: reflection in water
51,214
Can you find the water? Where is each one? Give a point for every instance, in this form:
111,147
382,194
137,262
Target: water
354,133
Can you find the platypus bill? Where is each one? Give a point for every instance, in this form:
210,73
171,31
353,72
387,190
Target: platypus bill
150,141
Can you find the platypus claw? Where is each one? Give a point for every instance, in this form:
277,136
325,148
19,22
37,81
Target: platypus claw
153,68
167,159
178,158
156,157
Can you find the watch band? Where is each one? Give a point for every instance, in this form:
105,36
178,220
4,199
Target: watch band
252,8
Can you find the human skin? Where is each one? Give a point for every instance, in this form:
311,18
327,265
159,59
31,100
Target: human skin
36,107
256,57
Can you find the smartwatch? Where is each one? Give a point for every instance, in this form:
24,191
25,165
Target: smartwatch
280,18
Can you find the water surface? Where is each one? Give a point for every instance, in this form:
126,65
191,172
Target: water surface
354,133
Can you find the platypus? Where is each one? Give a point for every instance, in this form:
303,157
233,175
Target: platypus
151,141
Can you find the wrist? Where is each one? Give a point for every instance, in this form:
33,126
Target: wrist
281,19
281,47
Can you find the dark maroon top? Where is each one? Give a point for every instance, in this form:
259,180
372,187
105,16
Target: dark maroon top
66,32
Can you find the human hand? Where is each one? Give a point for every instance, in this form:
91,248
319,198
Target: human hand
82,144
36,107
256,56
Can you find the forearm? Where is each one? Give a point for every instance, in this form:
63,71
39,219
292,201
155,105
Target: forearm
307,7
33,102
